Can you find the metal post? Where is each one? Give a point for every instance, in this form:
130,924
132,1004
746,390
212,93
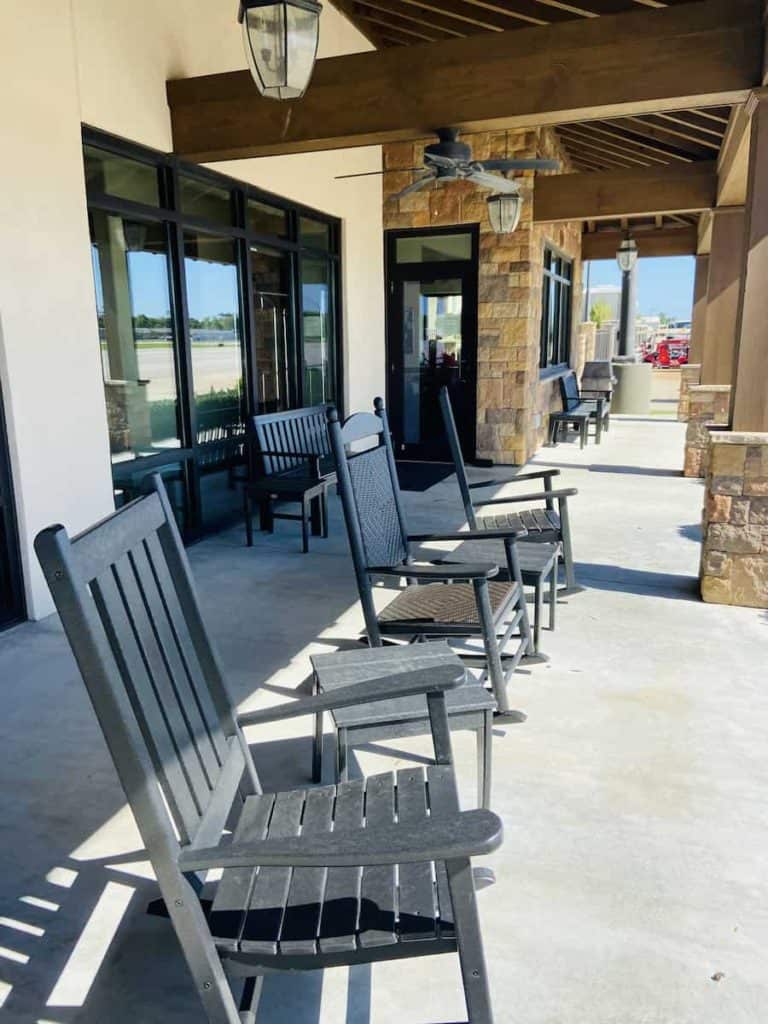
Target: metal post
627,316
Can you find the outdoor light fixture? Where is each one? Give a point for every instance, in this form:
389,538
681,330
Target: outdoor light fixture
280,44
626,257
504,211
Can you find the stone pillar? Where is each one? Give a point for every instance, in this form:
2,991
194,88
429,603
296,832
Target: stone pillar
734,561
723,286
699,314
750,395
709,406
690,376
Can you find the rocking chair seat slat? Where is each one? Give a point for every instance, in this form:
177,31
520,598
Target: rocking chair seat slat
537,521
436,604
299,912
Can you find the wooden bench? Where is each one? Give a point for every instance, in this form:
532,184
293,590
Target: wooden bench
580,407
290,461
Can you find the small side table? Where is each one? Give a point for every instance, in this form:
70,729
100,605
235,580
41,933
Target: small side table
538,563
469,706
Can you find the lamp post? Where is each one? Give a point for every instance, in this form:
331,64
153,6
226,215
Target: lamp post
626,257
280,41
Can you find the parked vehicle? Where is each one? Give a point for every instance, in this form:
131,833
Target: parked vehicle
669,352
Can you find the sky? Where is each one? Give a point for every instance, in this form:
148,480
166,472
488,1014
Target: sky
665,284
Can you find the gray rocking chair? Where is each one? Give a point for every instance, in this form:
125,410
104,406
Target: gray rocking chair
373,869
545,525
443,599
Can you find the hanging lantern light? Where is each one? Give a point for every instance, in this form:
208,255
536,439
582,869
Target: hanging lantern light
626,257
281,44
504,212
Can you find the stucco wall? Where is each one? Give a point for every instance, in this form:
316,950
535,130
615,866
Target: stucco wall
512,401
105,64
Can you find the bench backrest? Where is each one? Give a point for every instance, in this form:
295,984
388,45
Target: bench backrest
370,496
454,444
303,431
569,391
125,595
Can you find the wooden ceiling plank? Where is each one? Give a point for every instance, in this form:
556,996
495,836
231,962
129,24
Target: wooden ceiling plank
592,8
680,118
597,152
468,14
639,192
605,128
419,16
388,23
346,7
603,245
528,9
709,115
658,131
627,152
530,77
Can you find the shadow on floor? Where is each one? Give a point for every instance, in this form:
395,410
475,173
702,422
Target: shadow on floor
618,469
637,581
691,531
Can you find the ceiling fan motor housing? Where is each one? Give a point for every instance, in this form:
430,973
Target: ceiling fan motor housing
449,147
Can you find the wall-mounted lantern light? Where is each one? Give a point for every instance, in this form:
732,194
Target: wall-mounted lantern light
626,257
504,212
280,44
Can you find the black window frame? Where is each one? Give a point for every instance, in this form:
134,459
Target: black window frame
557,305
169,213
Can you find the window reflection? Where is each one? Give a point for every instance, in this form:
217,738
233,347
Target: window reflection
270,273
130,265
318,332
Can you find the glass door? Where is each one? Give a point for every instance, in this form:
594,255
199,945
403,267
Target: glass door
11,592
272,334
432,343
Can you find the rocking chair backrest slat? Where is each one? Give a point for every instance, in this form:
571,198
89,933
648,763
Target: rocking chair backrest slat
458,457
124,594
569,391
299,430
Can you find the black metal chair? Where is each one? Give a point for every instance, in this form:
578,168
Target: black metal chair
372,869
542,525
442,598
595,403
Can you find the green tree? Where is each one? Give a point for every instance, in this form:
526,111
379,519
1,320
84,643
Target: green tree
663,319
600,312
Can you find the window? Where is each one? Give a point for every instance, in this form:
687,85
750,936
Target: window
556,297
200,324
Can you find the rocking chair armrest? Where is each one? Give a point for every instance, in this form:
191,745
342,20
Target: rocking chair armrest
461,535
544,474
565,492
418,682
463,834
442,571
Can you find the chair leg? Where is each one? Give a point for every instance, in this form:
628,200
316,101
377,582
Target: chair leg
484,760
513,564
249,1002
492,653
342,764
470,941
538,613
317,740
598,429
248,514
316,516
584,426
552,596
305,514
565,532
324,512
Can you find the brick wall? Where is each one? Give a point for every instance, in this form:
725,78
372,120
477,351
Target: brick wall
510,398
707,404
690,376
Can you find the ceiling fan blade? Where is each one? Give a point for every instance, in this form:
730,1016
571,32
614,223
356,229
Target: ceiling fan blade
520,165
415,186
494,182
368,174
436,160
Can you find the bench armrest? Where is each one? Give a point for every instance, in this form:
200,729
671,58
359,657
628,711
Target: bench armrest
565,492
500,534
440,573
463,834
418,682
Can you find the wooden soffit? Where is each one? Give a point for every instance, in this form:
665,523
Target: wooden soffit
667,241
705,54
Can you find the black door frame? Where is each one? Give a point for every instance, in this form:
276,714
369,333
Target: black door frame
10,556
468,271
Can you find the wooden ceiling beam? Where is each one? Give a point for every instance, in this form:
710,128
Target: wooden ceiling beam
346,7
530,10
636,141
474,18
679,118
706,53
625,193
603,245
384,23
709,115
691,144
595,152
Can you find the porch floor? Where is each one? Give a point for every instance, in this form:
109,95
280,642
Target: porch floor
635,867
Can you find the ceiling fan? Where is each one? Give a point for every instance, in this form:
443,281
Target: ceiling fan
451,160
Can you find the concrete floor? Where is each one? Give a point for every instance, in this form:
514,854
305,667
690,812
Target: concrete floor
635,867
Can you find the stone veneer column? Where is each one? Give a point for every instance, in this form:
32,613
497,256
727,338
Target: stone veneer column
690,376
734,561
709,406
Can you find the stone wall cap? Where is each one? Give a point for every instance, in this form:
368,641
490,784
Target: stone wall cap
738,437
702,388
691,366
